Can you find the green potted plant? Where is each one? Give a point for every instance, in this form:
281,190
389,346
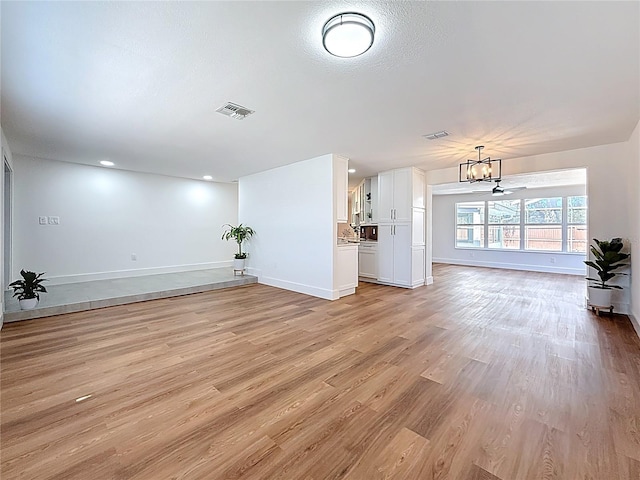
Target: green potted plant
239,234
28,289
607,259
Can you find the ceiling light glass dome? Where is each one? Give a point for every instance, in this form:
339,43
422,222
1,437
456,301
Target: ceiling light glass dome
348,35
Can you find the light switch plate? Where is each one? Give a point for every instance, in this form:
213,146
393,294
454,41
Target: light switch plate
54,220
42,220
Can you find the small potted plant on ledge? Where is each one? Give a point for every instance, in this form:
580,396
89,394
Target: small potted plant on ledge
28,289
239,234
607,259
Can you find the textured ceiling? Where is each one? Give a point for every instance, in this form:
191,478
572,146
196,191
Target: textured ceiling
138,82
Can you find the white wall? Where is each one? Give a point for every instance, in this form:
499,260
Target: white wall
633,202
171,224
292,212
608,168
444,232
4,151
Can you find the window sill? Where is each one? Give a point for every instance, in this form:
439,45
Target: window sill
549,252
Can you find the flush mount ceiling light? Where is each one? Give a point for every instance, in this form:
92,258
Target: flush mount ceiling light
348,34
107,163
352,170
480,170
207,177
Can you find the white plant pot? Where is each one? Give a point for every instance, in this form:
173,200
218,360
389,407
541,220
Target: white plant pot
600,297
28,303
238,264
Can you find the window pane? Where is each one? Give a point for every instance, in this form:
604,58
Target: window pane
543,210
577,209
472,237
469,213
543,238
578,201
504,211
577,239
504,236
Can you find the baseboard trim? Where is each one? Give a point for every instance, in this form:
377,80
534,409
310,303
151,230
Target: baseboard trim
138,272
512,266
300,288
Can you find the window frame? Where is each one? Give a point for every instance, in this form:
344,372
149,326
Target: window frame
483,225
489,224
564,225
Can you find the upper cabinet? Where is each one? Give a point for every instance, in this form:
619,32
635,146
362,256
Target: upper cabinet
398,192
341,188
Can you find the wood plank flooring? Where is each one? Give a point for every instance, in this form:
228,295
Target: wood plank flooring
487,374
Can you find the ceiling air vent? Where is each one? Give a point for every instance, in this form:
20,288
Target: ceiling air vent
234,111
435,136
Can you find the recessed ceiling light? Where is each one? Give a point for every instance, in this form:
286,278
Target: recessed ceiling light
348,34
107,163
351,170
207,177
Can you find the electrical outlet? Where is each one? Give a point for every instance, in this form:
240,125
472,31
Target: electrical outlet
54,220
42,220
134,257
552,259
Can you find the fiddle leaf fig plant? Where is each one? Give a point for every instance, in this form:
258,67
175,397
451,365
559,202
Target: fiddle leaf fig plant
239,234
607,259
30,286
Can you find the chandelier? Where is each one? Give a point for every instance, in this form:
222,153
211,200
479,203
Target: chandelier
481,170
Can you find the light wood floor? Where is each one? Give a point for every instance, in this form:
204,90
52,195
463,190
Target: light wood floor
487,374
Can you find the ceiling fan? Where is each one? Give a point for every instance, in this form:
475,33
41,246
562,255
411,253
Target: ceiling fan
499,191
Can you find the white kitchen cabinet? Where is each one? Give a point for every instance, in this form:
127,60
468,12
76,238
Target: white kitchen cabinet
368,260
346,269
385,197
395,189
401,227
395,254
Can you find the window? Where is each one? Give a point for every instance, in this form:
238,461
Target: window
543,224
577,224
470,224
504,224
554,224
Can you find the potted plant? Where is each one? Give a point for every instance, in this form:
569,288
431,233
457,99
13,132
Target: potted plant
239,233
27,290
607,259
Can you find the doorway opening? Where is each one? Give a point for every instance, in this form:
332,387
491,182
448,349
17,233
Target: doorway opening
6,254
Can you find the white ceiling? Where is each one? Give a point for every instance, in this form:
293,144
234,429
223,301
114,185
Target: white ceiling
556,178
138,82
